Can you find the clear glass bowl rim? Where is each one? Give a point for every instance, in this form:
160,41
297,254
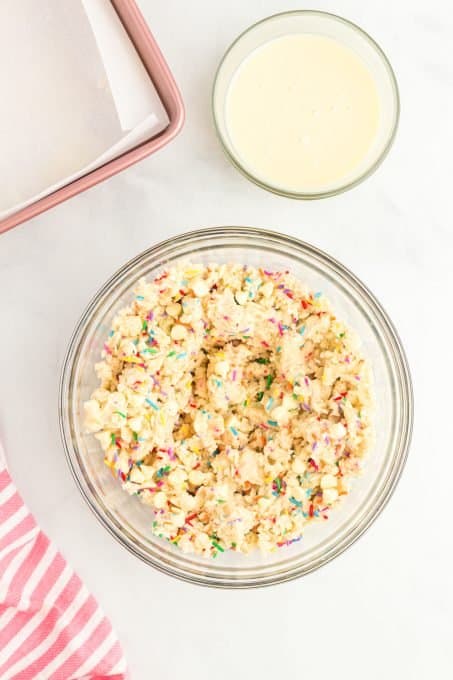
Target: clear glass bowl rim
321,194
288,242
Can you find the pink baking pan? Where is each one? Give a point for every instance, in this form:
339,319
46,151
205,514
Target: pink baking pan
167,89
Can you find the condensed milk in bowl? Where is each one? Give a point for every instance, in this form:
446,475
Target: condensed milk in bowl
305,104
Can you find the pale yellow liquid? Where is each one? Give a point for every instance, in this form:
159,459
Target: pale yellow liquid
302,113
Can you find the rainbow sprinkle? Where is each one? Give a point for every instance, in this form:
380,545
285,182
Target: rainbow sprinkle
152,404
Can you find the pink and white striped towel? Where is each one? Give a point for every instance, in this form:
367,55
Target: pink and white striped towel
51,628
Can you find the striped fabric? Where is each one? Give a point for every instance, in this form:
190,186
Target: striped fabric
50,625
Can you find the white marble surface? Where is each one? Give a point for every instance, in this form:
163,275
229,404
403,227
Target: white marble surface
384,609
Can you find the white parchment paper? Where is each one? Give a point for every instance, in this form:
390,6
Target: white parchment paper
73,95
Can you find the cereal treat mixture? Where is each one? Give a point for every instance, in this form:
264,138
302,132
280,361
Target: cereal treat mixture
234,403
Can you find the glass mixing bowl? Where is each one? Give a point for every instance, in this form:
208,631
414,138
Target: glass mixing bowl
129,521
330,26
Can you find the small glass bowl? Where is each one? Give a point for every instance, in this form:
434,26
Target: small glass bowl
328,25
129,521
